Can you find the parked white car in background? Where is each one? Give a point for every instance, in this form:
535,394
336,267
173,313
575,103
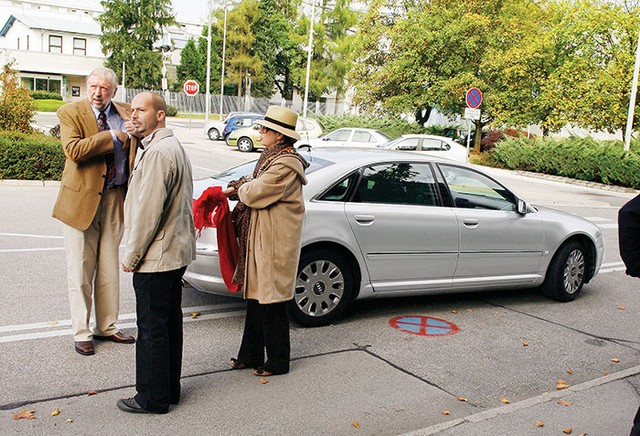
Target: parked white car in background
430,144
348,137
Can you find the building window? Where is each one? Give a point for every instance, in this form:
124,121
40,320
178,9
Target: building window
55,44
79,46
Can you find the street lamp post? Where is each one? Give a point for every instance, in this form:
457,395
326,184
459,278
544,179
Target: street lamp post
224,47
207,105
309,52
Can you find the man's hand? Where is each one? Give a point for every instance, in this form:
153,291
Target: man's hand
131,129
122,137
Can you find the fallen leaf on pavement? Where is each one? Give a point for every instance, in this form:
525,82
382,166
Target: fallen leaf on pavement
69,421
194,315
91,393
525,344
561,384
461,399
264,381
468,310
445,412
454,311
505,400
569,371
567,430
24,414
355,424
539,424
56,412
615,360
605,373
565,403
621,308
53,323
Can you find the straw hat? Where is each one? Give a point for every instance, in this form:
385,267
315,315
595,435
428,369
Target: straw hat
281,120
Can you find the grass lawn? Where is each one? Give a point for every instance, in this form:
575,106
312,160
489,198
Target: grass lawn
48,105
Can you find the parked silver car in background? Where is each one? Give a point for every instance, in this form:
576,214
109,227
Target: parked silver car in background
431,144
384,223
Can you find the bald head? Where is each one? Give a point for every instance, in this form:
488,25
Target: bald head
148,112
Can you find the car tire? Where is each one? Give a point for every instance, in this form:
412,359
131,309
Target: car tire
566,273
324,288
213,134
245,144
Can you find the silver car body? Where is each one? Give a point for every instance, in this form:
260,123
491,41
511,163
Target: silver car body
417,249
348,137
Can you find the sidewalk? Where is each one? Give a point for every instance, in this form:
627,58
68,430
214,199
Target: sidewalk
344,393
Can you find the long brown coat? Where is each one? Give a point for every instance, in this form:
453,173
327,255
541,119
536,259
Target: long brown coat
275,233
85,168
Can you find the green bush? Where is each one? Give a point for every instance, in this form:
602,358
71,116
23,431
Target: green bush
45,95
579,158
171,111
33,156
392,126
16,109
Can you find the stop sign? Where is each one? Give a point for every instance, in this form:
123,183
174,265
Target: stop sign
191,87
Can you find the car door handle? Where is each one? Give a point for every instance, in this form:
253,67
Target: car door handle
364,219
471,223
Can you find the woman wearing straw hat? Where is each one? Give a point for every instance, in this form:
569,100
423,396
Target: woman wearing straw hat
268,221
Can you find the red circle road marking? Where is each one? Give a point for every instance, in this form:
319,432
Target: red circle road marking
423,325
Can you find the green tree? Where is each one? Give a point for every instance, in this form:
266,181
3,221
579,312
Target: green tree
192,64
130,28
16,104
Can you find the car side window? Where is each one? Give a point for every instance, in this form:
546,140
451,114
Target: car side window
362,136
408,144
398,183
340,190
472,190
339,135
429,144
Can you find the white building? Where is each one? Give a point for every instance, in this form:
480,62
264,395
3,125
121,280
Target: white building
56,43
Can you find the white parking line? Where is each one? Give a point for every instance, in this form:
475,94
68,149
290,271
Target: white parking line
31,236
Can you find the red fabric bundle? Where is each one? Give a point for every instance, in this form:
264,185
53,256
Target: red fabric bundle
213,200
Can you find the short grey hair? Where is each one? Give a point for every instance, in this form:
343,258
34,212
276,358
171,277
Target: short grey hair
105,73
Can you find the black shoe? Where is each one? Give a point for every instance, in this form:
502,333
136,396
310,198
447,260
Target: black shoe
130,405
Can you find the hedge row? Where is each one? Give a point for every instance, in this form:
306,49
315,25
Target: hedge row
578,158
32,156
45,95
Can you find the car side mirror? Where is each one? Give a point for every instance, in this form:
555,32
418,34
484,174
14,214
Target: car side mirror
522,207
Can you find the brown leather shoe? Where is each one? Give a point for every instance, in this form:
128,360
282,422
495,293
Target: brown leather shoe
118,338
85,348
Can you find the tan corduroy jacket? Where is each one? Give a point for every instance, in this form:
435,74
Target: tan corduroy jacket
275,233
85,168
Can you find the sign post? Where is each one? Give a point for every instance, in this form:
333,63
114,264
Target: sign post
472,111
191,88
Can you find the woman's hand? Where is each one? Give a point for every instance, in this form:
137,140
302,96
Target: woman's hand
229,191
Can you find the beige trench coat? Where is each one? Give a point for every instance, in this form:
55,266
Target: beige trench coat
275,233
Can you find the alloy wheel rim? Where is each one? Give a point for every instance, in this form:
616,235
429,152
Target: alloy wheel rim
319,288
574,272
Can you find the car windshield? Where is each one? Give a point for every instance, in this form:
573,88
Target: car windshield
315,163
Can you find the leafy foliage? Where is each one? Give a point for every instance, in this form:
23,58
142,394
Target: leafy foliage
16,110
579,158
192,65
130,28
45,95
33,156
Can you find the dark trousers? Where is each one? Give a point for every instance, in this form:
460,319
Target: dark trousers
635,431
266,327
159,343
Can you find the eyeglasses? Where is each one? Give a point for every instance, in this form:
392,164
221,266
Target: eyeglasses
264,129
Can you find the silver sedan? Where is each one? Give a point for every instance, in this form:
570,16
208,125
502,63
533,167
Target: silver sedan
383,223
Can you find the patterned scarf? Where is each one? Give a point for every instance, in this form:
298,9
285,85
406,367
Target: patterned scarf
241,214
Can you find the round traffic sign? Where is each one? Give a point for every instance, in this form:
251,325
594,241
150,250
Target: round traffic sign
191,87
424,325
474,98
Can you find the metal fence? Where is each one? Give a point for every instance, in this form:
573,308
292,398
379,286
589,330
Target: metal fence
197,103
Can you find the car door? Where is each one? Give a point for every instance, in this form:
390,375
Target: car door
498,245
409,242
337,138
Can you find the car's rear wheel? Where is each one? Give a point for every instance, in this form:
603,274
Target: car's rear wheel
213,134
324,288
245,144
566,273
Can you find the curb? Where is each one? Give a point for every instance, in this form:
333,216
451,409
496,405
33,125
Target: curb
37,183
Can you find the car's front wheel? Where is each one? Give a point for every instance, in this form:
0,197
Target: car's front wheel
566,273
324,288
213,134
245,144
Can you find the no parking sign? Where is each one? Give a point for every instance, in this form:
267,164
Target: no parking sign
424,325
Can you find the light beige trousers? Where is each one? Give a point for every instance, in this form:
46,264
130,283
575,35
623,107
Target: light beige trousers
93,268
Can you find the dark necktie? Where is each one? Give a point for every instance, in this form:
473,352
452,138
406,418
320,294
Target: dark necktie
111,166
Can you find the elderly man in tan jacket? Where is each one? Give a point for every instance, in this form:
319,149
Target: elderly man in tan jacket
99,158
160,243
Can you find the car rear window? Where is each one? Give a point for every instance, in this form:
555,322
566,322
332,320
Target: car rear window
315,163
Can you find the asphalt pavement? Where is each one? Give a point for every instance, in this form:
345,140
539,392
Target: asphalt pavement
352,391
